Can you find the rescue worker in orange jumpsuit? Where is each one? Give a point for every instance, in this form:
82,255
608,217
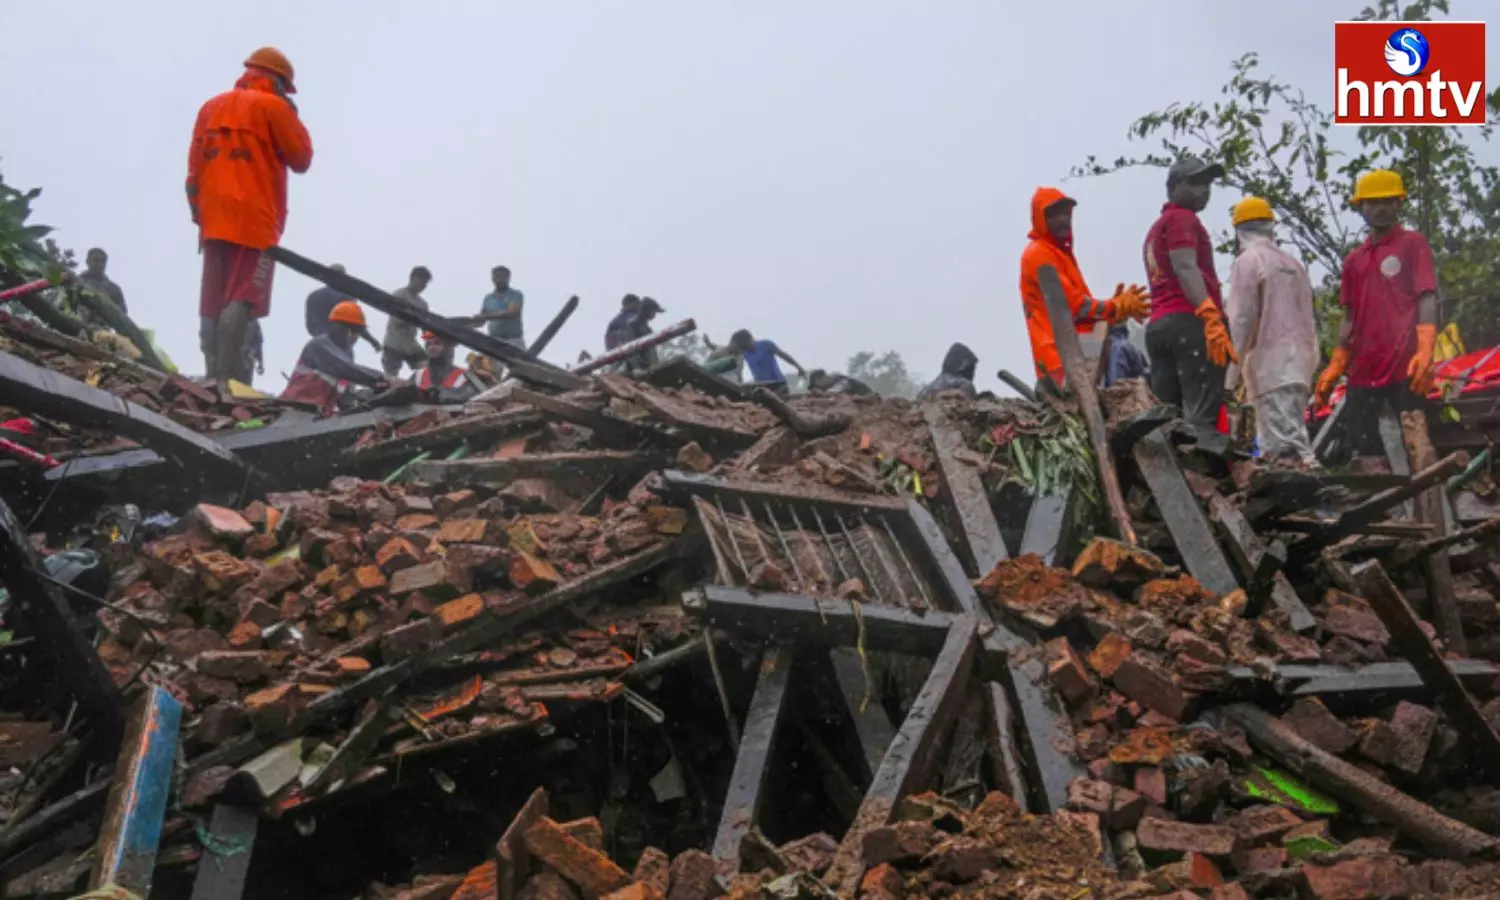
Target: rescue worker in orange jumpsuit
1052,245
326,367
1388,339
442,376
243,143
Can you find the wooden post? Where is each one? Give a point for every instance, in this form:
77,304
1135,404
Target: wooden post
1430,509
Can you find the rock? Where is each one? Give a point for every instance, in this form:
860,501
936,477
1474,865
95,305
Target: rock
1319,727
593,872
239,666
693,877
552,886
693,458
1358,879
1166,837
654,868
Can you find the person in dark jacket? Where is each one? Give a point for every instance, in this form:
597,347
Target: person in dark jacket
958,374
834,383
631,324
327,364
442,376
622,326
1125,360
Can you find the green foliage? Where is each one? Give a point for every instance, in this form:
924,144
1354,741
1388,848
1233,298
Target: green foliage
26,251
885,373
1275,143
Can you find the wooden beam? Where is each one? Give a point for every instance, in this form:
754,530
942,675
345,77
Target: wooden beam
470,428
871,724
913,753
1371,509
553,327
599,421
683,417
679,371
58,633
752,765
966,493
761,491
1050,529
137,804
1249,551
823,621
54,395
1430,508
1157,459
500,471
225,864
1375,678
1418,649
1076,369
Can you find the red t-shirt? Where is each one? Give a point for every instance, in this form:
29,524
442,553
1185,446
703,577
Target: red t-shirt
1176,228
1381,283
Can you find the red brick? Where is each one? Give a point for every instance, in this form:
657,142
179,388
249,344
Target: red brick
593,872
220,722
464,531
221,522
1108,654
654,868
1350,617
532,575
448,504
1357,879
692,457
1202,873
586,831
274,708
239,666
482,883
1260,824
1186,643
693,877
1319,727
1149,684
407,504
1258,860
245,636
901,842
417,522
457,612
397,554
1067,673
350,666
221,571
430,578
1088,795
1165,837
637,890
1126,808
882,882
1414,726
1143,747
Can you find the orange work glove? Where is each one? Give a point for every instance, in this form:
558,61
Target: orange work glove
1331,375
1130,303
1419,370
1220,348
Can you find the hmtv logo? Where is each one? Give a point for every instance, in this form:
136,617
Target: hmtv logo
1408,73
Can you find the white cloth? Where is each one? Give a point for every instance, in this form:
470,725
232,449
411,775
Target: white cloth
1270,312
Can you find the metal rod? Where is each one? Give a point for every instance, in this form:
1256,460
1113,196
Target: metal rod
860,559
813,548
700,506
832,548
765,552
918,580
733,541
785,548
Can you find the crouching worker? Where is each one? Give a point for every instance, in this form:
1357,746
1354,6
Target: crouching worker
442,376
326,367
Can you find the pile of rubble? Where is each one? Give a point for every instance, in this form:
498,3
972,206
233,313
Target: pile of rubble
674,637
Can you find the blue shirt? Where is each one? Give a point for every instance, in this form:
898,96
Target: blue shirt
761,358
1125,361
505,329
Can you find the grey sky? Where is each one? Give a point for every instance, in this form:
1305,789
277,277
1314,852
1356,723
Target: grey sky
837,176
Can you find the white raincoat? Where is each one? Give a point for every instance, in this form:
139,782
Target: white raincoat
1270,312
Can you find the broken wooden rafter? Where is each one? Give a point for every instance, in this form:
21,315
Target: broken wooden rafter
806,427
1442,836
1194,539
683,417
553,327
872,726
752,763
625,351
966,493
501,471
679,371
1251,553
54,395
1375,678
1410,553
799,497
1431,508
143,779
1418,649
472,429
1081,383
1050,530
519,363
600,421
823,621
1371,509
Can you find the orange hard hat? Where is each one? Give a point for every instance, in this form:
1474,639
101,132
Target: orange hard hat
348,313
273,60
431,336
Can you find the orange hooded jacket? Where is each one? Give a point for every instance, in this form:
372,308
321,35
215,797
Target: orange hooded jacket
243,143
1045,250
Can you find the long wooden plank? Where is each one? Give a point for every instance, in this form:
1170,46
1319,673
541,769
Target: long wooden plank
1078,373
872,726
500,471
1050,532
1375,678
680,371
752,765
225,864
519,363
1157,459
473,429
1248,551
1372,508
56,396
824,621
1431,508
913,753
75,664
1419,650
966,493
137,807
805,498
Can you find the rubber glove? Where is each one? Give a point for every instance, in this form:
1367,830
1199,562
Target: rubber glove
1130,303
1220,348
1331,375
1419,370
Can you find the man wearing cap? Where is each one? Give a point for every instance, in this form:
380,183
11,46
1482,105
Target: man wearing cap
441,376
244,142
1051,244
1186,340
401,347
637,326
1270,310
327,363
1389,294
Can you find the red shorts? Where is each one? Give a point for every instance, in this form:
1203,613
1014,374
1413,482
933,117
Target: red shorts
233,272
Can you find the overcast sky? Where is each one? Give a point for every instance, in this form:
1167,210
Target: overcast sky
837,176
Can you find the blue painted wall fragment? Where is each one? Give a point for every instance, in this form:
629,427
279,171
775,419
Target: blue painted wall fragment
138,798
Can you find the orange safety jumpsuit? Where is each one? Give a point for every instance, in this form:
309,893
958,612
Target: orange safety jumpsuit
1045,250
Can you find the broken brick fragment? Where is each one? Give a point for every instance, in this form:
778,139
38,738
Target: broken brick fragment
273,709
550,886
1066,672
1111,564
536,495
694,877
1260,824
417,522
692,457
1109,653
901,842
430,578
588,832
591,871
1144,681
465,531
882,882
1414,726
1312,721
411,638
1356,879
636,890
1089,795
813,853
1143,747
245,636
1126,808
239,666
219,723
1164,837
221,522
531,574
963,859
457,612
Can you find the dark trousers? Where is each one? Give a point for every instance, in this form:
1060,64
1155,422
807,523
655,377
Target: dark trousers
1363,407
1181,372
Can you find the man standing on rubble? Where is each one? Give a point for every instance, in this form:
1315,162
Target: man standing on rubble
442,376
1186,341
761,356
1270,309
327,363
636,325
1389,333
1052,245
401,347
244,142
501,310
93,278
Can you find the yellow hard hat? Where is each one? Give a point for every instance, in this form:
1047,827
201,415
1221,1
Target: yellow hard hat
1378,185
1250,209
